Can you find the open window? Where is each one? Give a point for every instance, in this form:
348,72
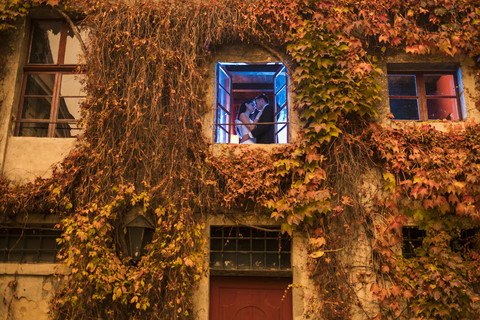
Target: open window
52,87
426,92
237,82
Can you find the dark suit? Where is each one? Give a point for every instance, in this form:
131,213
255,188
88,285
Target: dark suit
265,133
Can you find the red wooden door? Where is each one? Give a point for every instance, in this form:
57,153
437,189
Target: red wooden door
250,298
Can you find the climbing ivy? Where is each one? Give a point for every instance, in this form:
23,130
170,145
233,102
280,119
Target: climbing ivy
143,147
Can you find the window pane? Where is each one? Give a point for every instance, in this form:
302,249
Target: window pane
285,261
69,108
272,245
280,80
286,244
223,79
33,130
73,49
439,85
36,108
281,98
272,260
71,85
47,256
442,109
244,244
402,85
45,42
229,245
258,260
281,136
224,99
40,84
221,116
243,261
67,130
222,136
216,245
230,260
258,245
282,115
404,109
216,260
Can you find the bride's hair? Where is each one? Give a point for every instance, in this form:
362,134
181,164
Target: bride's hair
243,107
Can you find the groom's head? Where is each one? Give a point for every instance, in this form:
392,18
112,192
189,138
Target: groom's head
261,101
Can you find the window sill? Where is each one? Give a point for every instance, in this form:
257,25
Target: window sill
37,269
250,273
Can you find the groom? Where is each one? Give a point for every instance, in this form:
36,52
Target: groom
263,133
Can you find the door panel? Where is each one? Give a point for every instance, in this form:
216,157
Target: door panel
250,298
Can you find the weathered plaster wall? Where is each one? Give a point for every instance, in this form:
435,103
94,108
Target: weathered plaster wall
13,55
27,157
26,290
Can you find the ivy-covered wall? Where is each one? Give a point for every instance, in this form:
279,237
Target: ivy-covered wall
346,177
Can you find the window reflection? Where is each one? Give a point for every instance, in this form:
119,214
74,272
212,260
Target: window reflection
73,49
45,42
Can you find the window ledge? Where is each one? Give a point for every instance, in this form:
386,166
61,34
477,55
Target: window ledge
219,149
38,269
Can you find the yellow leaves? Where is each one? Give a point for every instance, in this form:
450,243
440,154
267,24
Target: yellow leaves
317,245
390,181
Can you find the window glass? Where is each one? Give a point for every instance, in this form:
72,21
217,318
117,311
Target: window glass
272,260
248,249
66,130
45,42
40,84
445,108
230,261
243,261
439,85
33,130
281,134
402,85
258,261
36,108
224,99
281,79
69,108
73,49
224,79
404,109
20,245
244,245
281,98
71,85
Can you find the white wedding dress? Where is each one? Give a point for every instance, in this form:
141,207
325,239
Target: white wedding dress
242,130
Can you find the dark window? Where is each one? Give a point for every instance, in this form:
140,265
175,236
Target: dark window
412,239
237,82
425,95
52,85
469,239
28,245
243,248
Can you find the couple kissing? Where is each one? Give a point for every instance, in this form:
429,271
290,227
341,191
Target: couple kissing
255,121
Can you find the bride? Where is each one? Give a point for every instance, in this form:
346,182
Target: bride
244,124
